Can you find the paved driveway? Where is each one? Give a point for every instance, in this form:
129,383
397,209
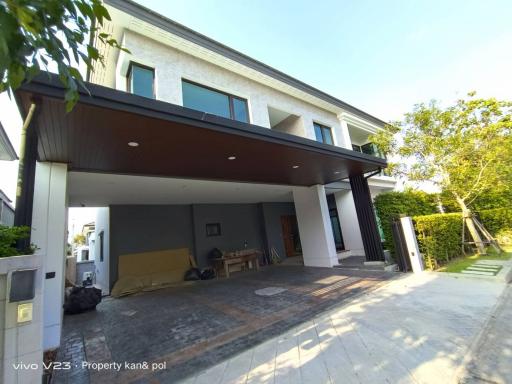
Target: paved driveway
416,329
191,328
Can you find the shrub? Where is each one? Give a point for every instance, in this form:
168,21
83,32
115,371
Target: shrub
392,205
496,220
439,237
504,237
8,238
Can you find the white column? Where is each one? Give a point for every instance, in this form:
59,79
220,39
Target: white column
49,227
412,244
349,223
344,137
315,229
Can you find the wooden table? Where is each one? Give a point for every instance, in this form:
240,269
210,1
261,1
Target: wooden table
233,259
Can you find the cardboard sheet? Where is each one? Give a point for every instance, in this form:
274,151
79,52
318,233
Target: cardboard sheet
150,270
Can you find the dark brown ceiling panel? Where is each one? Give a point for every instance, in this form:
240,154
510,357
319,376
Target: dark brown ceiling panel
176,141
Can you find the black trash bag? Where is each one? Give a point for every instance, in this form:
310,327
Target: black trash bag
81,299
193,274
215,253
207,274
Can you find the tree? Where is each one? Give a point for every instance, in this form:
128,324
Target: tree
36,33
465,149
79,239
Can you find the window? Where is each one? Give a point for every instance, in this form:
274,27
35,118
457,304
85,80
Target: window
218,103
323,134
213,229
141,80
101,245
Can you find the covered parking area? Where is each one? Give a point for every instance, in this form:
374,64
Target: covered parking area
118,149
184,330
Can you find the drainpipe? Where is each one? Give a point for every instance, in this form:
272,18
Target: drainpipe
26,176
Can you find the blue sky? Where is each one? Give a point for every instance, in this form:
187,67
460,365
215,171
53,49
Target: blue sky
380,56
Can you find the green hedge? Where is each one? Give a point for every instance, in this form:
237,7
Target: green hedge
439,237
392,205
496,220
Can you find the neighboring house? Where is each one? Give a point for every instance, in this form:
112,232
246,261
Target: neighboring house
6,210
7,152
185,142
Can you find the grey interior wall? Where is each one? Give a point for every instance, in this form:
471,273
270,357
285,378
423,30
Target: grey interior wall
144,228
239,223
272,213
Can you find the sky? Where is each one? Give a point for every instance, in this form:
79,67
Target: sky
380,56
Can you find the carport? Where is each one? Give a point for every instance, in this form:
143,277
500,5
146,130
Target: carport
115,137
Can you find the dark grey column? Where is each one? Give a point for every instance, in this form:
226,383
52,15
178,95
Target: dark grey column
366,216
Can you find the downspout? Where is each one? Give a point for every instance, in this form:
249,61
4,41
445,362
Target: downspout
26,175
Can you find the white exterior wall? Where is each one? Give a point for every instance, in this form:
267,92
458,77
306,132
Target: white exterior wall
101,268
49,227
315,230
172,65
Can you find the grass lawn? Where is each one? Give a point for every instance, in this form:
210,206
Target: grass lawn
457,265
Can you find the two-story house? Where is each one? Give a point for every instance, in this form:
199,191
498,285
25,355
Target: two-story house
185,142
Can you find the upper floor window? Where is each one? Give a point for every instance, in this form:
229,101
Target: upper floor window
141,80
218,103
323,134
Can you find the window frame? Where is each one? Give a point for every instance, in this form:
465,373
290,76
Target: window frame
230,100
322,129
102,254
129,77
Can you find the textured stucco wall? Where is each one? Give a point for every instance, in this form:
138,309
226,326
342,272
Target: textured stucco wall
172,65
102,224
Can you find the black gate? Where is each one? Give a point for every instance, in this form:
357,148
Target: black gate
401,253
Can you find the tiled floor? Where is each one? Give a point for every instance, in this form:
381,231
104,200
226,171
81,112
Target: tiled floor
416,329
194,327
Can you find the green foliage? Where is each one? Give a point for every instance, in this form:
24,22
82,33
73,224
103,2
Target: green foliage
504,237
439,237
392,205
36,33
465,149
79,239
490,199
496,220
8,238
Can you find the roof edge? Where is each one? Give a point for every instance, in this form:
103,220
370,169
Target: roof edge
160,21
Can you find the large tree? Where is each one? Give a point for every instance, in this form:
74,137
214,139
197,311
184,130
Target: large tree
465,149
35,34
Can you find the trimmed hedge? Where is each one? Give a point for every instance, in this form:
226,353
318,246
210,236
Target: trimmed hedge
391,205
439,237
496,220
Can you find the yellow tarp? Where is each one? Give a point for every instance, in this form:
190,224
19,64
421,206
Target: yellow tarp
150,270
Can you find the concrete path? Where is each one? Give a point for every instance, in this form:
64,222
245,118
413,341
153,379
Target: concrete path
417,329
491,357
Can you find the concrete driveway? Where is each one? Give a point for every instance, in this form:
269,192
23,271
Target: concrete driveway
167,335
417,329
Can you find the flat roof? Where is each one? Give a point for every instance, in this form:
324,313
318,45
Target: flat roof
175,141
140,12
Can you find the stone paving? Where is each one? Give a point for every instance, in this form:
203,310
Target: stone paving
491,357
416,329
193,327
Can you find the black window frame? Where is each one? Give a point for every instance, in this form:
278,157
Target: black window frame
230,99
100,235
213,229
324,128
129,77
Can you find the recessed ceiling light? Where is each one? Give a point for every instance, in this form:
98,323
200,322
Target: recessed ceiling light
336,172
133,144
232,158
295,166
